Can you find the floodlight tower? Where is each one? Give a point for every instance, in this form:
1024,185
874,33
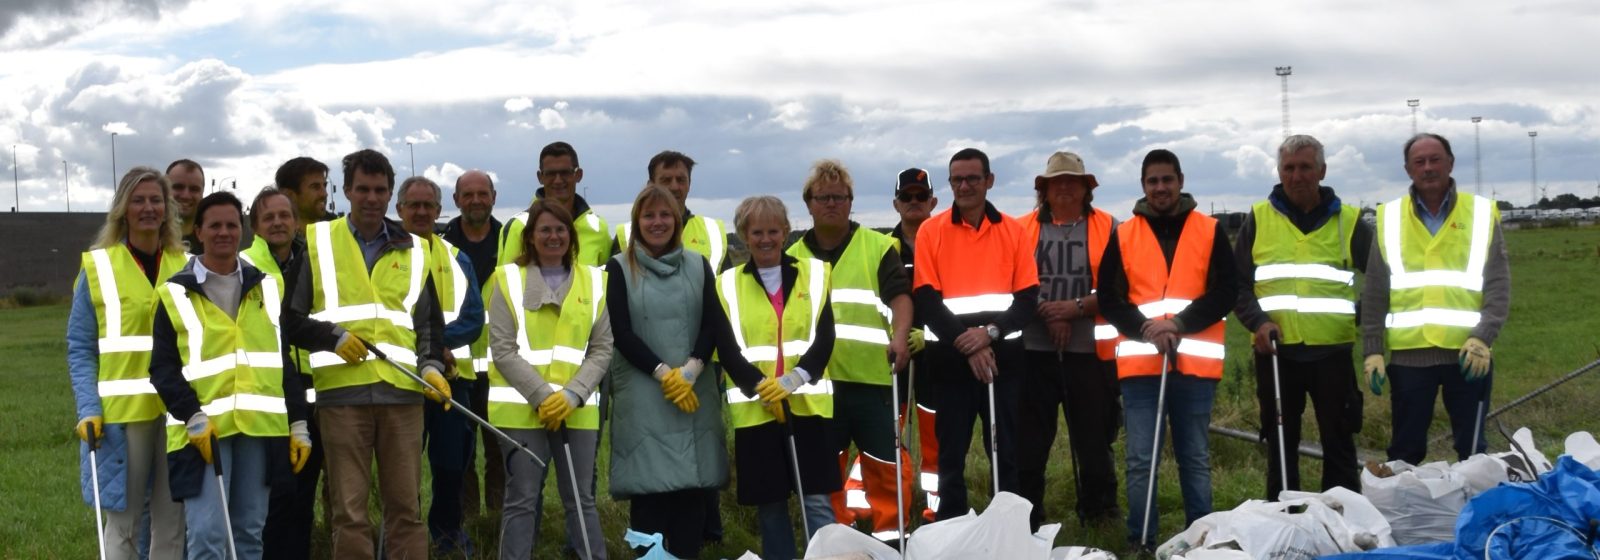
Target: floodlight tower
1533,157
1283,73
1413,103
1477,147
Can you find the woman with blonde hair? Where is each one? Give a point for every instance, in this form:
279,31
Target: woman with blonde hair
667,443
776,338
550,342
108,359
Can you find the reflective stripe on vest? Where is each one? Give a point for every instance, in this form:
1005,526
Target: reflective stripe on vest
450,281
1161,292
1304,281
124,305
1436,280
375,305
233,364
259,255
751,313
701,234
861,321
556,350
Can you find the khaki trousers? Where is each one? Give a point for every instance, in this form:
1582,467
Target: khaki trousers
352,436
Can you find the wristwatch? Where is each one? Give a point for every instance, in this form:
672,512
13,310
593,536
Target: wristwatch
994,332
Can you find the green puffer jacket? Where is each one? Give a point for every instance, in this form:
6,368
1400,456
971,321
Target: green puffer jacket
655,447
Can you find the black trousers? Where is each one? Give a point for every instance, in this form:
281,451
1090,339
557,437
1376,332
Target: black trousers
291,506
1085,389
678,515
962,400
1331,382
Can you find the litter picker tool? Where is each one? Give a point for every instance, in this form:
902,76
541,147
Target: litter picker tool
456,405
794,461
1277,404
994,439
1155,454
899,480
222,496
572,476
94,478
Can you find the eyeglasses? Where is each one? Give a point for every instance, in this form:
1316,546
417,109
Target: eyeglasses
419,204
920,196
970,179
827,199
559,173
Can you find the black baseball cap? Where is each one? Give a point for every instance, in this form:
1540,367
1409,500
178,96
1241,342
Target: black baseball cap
913,177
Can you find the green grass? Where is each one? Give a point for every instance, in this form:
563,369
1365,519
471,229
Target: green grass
1553,329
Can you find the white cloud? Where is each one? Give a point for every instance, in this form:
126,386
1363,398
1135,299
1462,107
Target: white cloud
177,131
551,119
735,151
423,136
561,106
119,128
791,115
518,104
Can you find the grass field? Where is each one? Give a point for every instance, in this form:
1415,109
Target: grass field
1553,329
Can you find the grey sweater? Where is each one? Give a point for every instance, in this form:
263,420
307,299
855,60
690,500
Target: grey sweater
524,376
1375,304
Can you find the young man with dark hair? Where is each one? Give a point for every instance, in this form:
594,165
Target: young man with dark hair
188,186
305,182
559,175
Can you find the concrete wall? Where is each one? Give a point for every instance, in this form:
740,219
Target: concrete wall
41,250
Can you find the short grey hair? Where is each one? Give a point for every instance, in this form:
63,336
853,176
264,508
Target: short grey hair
755,207
420,180
1298,142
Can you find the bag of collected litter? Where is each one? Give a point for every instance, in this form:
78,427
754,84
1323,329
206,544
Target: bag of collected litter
1583,449
1420,503
1080,553
835,540
1480,473
652,543
1212,555
999,532
1289,529
1359,527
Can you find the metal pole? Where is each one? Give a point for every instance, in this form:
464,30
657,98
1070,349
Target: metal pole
572,476
1283,73
456,405
16,180
794,461
94,478
413,149
899,480
1477,146
113,161
66,184
1413,103
1533,158
222,496
1277,401
994,439
1155,455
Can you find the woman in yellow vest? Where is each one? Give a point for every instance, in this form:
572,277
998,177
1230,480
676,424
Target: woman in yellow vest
550,345
668,443
777,337
218,364
108,359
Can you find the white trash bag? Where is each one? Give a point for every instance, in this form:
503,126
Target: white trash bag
1080,553
1582,447
1360,526
999,532
1420,503
1289,529
839,541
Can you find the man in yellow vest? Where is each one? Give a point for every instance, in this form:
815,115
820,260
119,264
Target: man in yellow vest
188,185
1438,291
447,434
217,363
559,175
1297,256
1167,282
702,234
871,299
366,281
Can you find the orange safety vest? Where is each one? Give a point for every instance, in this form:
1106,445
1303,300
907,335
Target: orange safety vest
1162,296
1105,335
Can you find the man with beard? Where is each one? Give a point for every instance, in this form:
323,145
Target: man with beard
477,234
188,186
305,182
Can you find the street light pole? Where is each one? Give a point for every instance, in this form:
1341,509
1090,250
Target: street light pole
1533,157
413,148
16,180
66,184
1477,146
113,161
1413,103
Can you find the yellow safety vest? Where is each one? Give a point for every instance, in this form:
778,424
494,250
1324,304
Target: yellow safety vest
553,340
260,256
707,236
594,239
375,306
450,282
756,333
1435,280
235,365
1306,282
124,309
860,318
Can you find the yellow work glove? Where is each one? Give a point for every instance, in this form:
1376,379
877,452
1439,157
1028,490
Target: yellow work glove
777,411
299,445
916,341
556,408
435,387
1475,359
674,387
200,434
95,423
774,389
350,348
1375,373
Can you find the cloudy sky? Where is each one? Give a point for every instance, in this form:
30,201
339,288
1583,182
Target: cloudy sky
758,90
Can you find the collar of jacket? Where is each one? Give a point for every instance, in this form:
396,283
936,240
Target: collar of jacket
1186,204
990,213
579,205
249,275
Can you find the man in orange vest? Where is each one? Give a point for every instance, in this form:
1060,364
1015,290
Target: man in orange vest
975,287
1069,366
1167,281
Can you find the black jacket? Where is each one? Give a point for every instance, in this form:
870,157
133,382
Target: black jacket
815,360
1221,285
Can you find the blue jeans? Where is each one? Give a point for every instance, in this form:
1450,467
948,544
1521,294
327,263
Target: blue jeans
1411,406
448,438
777,535
244,473
1188,412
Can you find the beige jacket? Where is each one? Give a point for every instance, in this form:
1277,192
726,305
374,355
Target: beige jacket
524,376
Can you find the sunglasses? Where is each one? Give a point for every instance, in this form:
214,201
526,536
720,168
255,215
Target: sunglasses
918,196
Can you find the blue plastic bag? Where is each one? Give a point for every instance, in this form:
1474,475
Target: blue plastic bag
656,551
